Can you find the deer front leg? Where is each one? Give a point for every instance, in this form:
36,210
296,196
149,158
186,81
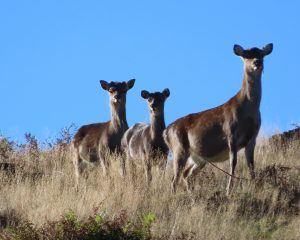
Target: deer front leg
249,153
148,168
233,161
132,170
122,165
162,166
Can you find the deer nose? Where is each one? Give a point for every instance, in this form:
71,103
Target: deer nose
257,62
153,105
117,97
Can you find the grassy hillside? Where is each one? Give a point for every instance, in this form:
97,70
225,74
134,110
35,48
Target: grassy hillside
38,199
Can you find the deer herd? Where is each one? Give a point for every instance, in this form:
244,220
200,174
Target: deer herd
210,136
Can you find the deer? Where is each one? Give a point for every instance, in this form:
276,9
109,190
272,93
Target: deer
93,143
217,134
145,141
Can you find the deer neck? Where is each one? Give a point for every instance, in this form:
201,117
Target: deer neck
118,117
251,89
157,125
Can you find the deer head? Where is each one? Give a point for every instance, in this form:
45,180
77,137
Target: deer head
253,58
156,100
117,91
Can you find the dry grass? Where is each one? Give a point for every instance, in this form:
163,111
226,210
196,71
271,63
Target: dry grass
42,190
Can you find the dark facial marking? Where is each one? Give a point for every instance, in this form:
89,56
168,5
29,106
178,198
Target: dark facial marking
156,100
120,87
253,53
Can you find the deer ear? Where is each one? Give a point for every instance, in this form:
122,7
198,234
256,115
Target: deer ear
267,49
145,94
130,83
166,92
238,50
104,84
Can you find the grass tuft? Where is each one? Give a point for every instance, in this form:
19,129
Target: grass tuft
38,199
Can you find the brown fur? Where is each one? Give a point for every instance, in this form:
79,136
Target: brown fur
145,142
93,142
217,134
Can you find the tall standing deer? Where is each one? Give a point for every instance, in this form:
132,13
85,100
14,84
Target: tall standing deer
219,133
145,142
92,142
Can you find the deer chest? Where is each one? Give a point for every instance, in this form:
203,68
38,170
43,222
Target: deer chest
246,129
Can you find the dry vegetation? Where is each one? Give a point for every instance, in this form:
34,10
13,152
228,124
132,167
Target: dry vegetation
38,199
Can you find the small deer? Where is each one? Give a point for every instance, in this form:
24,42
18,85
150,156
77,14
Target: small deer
92,142
146,142
219,133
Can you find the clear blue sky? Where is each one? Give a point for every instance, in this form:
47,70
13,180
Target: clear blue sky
53,54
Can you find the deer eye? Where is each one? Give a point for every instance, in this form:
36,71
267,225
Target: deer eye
111,90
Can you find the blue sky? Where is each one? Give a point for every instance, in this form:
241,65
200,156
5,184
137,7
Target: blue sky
53,54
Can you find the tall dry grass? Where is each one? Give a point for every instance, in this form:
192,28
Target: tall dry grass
42,189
